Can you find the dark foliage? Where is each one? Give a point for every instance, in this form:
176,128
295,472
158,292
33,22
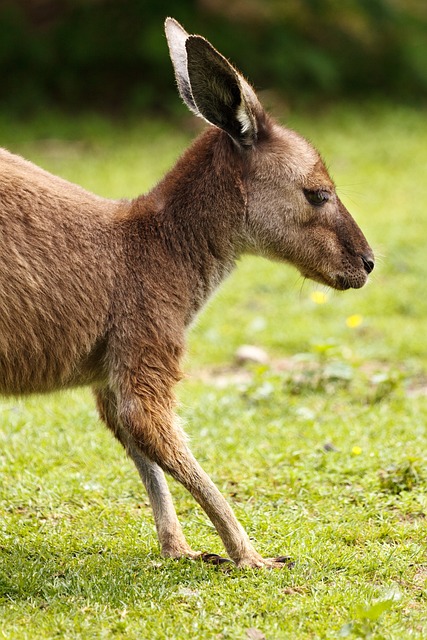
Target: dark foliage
112,54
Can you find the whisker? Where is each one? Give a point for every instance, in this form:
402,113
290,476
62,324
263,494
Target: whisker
303,280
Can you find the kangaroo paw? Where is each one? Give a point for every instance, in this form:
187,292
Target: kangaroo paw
258,562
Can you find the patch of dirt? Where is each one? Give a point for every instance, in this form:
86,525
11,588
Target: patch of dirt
241,371
420,577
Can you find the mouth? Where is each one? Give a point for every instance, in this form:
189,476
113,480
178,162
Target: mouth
339,282
355,275
343,283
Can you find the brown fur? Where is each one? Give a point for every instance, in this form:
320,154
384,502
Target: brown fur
99,292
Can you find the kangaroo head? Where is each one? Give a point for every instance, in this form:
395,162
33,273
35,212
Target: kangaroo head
292,210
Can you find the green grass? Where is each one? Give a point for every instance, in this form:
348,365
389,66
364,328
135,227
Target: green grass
322,452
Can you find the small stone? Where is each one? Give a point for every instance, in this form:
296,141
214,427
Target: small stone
248,353
329,446
255,634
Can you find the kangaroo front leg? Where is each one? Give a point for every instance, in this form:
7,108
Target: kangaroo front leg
171,538
158,437
187,470
235,539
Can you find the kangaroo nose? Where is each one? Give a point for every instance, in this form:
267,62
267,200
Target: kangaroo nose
368,263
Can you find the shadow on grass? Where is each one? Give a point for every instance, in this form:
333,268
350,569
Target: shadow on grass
43,573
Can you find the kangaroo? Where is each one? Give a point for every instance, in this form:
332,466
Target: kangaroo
100,292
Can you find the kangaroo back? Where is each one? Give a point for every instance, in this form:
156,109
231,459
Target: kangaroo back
55,279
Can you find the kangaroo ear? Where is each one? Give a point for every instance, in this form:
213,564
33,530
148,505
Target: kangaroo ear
212,88
221,94
176,37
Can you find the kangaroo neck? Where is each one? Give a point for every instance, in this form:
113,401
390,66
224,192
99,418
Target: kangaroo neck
201,211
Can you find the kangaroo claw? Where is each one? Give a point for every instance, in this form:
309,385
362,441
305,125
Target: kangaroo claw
214,558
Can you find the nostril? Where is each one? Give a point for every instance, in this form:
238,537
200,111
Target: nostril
368,263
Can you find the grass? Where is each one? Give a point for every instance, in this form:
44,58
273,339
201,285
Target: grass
322,452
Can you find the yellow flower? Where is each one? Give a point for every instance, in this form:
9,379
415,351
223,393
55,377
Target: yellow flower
356,451
318,297
354,321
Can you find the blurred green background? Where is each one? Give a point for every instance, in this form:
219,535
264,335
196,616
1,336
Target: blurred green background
111,55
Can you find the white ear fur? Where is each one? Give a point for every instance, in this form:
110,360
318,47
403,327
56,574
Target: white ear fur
176,37
249,110
243,118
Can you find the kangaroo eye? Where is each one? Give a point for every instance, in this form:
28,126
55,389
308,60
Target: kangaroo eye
317,197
